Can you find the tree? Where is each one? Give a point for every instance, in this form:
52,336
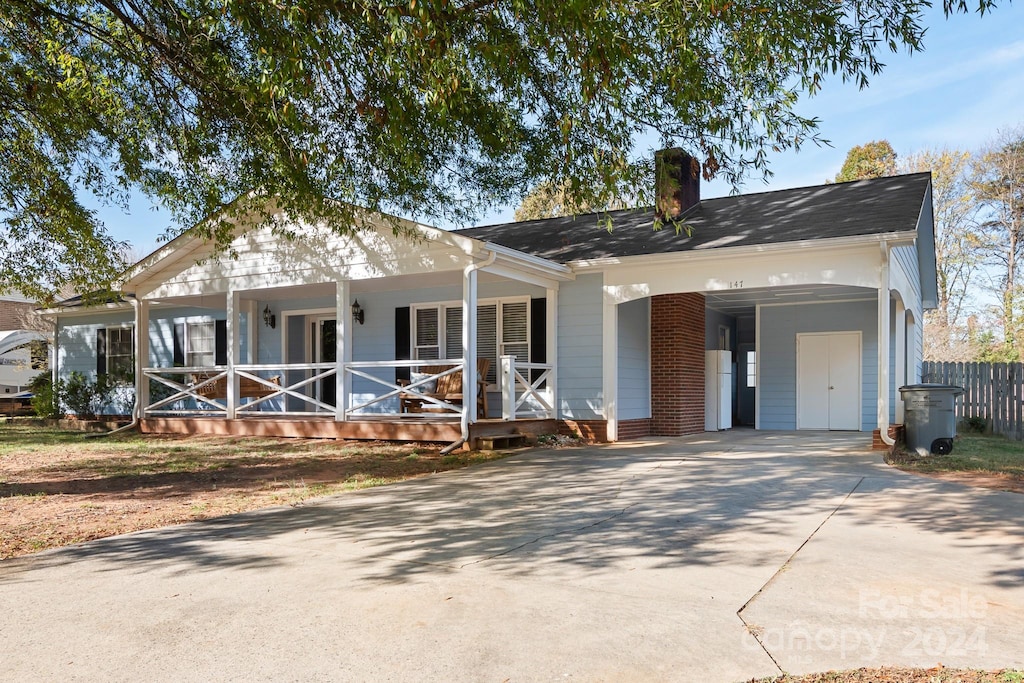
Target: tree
549,200
959,251
999,186
431,109
871,160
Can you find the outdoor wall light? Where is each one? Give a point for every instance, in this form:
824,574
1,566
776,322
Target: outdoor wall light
269,319
358,314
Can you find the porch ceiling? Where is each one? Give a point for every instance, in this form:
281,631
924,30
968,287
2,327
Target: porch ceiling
733,301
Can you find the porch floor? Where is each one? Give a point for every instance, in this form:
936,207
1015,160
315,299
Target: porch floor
420,427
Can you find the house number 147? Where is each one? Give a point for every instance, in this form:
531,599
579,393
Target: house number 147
735,284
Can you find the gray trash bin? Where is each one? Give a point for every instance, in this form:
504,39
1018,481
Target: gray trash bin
929,417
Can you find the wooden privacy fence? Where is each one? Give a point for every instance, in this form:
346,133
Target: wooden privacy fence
992,391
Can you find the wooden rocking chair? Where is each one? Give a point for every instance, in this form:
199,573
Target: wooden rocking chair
448,389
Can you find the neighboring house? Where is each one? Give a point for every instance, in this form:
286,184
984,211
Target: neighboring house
22,352
817,294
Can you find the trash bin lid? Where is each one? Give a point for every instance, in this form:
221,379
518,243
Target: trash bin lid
933,387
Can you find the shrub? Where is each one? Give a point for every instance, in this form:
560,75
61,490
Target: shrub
79,396
44,401
974,425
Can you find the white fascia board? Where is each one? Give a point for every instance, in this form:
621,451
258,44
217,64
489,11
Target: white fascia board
893,238
83,310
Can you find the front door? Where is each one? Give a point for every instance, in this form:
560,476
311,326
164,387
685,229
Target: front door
325,350
828,381
746,381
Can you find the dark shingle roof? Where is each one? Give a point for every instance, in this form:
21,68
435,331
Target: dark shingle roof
863,207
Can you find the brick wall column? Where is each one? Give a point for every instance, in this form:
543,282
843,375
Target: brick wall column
677,364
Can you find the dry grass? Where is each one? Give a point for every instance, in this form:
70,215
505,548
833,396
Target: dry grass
993,462
58,487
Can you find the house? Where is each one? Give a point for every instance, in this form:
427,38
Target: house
817,294
22,351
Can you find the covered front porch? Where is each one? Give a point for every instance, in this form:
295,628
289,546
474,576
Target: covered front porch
356,347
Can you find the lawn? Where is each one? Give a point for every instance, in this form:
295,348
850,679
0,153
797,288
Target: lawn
59,487
988,461
939,674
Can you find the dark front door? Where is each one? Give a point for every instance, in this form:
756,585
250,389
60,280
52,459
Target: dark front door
325,350
746,375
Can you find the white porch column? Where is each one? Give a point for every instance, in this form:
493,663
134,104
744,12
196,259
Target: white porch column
232,308
469,383
141,355
883,346
551,353
900,379
251,316
913,369
343,348
610,365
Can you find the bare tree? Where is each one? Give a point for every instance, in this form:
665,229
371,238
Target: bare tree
959,250
999,186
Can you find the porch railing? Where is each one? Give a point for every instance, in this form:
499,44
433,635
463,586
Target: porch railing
525,395
289,389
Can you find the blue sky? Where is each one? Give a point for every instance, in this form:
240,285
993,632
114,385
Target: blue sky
966,85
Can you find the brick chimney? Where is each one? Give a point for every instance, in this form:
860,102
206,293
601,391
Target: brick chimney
676,183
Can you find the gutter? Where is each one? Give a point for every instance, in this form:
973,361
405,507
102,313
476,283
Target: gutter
722,252
883,391
471,268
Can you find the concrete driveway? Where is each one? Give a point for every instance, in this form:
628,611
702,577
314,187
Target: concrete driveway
720,557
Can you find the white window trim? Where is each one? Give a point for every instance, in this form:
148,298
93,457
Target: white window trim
189,324
500,343
131,353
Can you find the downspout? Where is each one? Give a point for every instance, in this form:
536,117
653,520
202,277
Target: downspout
883,388
471,268
139,378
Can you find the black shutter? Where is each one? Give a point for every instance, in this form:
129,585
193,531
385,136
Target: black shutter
538,334
101,351
403,340
179,345
220,342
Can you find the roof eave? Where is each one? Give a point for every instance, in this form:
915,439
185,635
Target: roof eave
893,238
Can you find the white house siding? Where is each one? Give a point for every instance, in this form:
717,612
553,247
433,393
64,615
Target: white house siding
320,256
634,383
580,311
777,355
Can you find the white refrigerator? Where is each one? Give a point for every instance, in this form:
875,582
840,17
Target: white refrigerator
717,390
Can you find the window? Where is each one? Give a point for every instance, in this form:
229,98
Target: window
119,351
202,345
427,335
502,328
751,369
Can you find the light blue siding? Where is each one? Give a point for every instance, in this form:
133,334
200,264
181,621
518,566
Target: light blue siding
634,385
906,258
76,340
777,355
580,311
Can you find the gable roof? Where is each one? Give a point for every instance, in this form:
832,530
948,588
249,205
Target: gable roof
865,207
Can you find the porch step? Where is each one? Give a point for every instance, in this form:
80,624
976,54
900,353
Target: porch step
498,441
